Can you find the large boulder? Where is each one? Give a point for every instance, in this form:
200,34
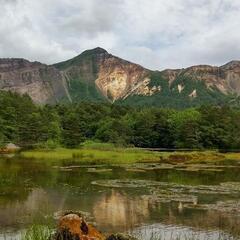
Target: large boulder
72,226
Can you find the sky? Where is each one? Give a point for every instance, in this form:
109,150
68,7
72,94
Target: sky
157,34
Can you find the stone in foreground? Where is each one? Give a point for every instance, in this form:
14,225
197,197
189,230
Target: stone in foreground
73,227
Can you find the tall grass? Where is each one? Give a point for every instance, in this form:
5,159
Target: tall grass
37,232
106,153
94,156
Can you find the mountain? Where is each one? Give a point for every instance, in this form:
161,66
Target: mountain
44,84
96,75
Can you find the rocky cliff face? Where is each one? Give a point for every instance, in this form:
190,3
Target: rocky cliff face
117,78
44,84
113,78
225,78
97,75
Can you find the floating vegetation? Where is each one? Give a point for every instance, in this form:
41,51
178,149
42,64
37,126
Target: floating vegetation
188,169
185,195
231,185
167,196
230,206
76,166
127,183
199,167
211,170
223,188
179,167
204,189
135,170
149,166
99,170
66,169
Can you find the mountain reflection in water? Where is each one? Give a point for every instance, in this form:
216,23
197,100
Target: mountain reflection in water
118,210
34,193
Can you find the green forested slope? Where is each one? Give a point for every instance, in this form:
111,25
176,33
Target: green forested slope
29,125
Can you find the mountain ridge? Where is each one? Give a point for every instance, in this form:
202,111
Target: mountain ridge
96,75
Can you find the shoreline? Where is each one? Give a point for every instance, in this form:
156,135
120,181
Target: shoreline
116,155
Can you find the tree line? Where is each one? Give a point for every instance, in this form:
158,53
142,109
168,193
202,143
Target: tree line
29,125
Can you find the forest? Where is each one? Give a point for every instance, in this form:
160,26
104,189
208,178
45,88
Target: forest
70,124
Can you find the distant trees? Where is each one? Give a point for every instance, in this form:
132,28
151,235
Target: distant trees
185,128
28,125
114,130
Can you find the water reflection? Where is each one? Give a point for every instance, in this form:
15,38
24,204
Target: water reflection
36,205
168,232
34,193
117,210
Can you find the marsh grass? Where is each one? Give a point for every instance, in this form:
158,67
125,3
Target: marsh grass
105,153
94,156
37,232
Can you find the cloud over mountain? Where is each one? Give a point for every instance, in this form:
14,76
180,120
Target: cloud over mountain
157,33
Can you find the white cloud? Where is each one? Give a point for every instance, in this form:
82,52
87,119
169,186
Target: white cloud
157,34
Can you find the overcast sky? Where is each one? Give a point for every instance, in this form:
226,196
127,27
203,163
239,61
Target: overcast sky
157,34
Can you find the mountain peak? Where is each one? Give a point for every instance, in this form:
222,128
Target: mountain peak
97,50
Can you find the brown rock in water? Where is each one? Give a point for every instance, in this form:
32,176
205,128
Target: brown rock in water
73,227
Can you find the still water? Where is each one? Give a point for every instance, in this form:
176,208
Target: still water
145,200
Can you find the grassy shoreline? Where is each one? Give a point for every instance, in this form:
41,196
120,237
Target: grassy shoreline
108,154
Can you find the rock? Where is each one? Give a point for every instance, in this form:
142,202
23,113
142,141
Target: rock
86,215
73,227
9,148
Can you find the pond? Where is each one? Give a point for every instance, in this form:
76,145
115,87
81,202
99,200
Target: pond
150,201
